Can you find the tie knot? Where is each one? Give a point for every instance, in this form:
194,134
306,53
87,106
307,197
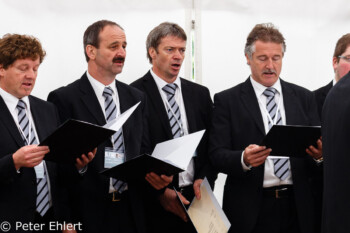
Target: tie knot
269,92
170,88
21,105
107,92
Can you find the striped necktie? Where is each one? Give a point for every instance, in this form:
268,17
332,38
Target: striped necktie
281,165
117,138
42,198
173,110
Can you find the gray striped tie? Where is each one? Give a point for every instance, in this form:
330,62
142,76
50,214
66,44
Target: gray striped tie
42,198
281,166
118,142
174,112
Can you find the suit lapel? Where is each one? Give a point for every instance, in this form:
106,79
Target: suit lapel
155,99
8,121
189,108
90,101
249,99
125,102
291,104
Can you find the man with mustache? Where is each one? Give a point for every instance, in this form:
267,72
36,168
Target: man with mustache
104,204
263,193
176,107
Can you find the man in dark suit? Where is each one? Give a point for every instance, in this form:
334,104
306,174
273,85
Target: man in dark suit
341,67
263,193
29,185
336,136
103,204
176,107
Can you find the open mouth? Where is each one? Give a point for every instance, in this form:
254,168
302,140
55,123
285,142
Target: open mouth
176,66
27,84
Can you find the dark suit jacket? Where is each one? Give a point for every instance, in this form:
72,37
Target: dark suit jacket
320,95
18,190
237,123
336,136
198,107
78,101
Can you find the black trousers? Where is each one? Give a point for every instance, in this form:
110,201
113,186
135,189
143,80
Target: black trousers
277,215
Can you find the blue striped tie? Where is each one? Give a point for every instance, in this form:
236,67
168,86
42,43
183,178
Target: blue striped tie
281,166
118,142
42,199
174,112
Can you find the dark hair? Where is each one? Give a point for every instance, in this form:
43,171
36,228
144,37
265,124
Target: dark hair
91,34
341,46
15,46
265,32
161,31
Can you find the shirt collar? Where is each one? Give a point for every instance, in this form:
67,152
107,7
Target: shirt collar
12,101
161,83
259,88
99,87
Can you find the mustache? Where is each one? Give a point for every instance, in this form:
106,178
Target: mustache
119,59
269,71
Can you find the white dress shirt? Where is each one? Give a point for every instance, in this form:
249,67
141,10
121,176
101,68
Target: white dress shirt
98,89
186,177
270,179
11,103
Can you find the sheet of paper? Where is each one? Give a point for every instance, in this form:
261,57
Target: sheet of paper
206,213
118,122
178,151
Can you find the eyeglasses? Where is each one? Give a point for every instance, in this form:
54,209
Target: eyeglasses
345,58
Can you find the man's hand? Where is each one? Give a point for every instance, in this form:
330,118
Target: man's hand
29,156
170,203
197,188
255,155
84,160
315,153
158,182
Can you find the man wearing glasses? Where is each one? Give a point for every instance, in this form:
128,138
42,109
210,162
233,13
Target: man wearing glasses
341,66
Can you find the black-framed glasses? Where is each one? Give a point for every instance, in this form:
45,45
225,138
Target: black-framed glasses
345,58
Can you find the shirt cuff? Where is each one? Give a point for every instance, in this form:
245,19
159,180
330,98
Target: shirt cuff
245,167
83,170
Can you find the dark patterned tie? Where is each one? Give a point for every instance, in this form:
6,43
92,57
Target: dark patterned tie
281,166
118,142
173,113
42,199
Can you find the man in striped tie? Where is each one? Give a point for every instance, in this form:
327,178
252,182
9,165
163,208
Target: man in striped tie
264,193
176,107
29,185
104,204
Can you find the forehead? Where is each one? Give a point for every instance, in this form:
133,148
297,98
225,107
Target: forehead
27,61
267,48
111,33
347,51
172,41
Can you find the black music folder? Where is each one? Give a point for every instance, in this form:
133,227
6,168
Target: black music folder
291,140
136,168
74,138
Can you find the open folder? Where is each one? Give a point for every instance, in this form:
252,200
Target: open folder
206,214
168,158
291,140
74,138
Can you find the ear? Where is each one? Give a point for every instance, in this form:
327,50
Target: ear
152,53
2,71
335,62
91,51
248,59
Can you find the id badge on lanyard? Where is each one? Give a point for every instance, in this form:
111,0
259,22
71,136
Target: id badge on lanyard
113,157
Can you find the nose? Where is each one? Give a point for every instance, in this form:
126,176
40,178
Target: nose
269,64
121,52
31,73
178,54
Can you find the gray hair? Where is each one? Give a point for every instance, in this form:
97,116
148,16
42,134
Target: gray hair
265,32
